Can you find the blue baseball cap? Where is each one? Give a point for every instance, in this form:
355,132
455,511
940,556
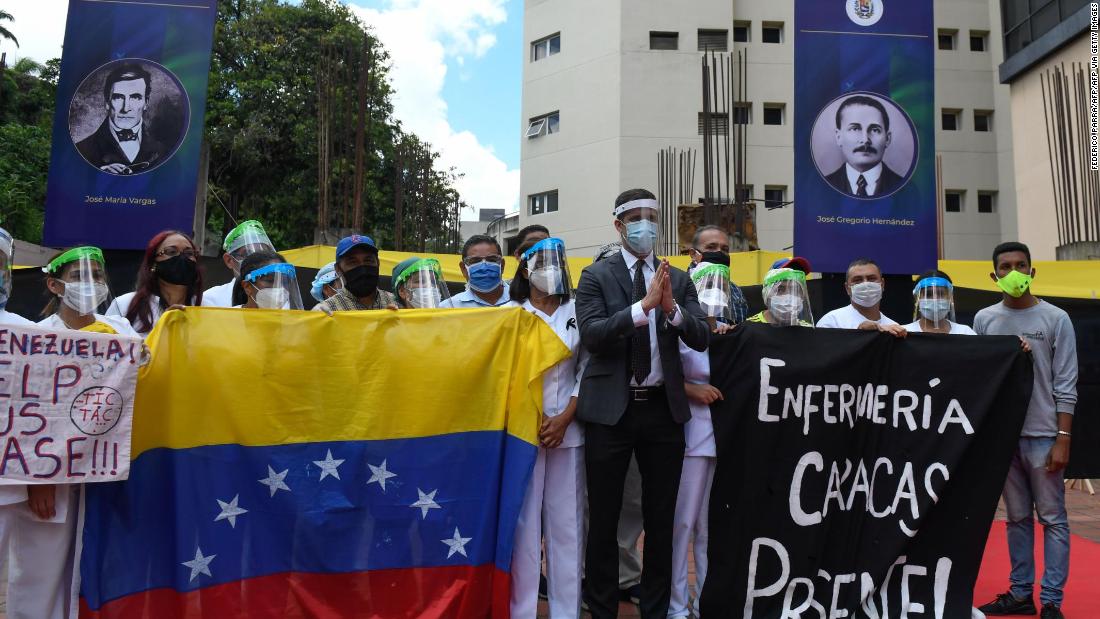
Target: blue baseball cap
797,263
347,243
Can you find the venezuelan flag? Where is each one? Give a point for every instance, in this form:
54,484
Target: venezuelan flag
292,464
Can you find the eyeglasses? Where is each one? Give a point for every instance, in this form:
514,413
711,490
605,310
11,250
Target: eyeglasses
472,260
172,252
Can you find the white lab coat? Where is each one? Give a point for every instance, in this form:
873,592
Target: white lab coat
219,296
553,508
693,497
42,577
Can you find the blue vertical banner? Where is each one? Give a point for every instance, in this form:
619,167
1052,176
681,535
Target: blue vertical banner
864,134
129,121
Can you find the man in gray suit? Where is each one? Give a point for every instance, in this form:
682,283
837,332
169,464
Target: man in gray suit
633,309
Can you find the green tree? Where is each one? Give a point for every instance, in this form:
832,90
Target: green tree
24,159
4,32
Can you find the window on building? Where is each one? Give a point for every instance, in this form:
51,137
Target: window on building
539,203
742,113
983,120
773,113
977,40
949,120
774,196
1025,21
720,123
953,201
548,46
741,30
543,125
743,194
664,40
713,40
771,32
987,202
946,39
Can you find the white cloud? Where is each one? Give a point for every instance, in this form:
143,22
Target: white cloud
40,28
420,36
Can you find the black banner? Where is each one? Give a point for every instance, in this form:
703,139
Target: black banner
857,474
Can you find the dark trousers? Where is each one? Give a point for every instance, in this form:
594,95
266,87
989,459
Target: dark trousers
648,431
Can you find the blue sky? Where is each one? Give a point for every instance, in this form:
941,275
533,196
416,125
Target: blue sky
484,96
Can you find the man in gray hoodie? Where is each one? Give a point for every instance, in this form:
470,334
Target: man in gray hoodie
1035,477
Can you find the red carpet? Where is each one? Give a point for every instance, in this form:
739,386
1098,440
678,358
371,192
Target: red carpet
1082,593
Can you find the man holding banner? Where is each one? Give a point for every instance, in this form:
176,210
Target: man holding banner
1035,476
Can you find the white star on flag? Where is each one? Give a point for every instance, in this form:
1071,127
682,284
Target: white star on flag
426,502
199,565
328,466
230,511
456,544
379,474
275,480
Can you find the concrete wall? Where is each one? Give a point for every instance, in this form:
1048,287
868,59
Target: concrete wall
1037,225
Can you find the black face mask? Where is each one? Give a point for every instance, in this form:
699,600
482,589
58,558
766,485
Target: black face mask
177,270
715,257
361,281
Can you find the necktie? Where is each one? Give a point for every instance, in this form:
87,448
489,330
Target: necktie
640,361
126,135
861,187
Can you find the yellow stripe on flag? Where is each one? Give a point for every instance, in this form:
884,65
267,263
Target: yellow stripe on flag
282,377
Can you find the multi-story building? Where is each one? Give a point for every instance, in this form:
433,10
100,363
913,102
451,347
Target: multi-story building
608,84
1047,64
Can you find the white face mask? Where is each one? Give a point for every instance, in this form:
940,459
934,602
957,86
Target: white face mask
713,297
785,308
272,298
84,297
547,279
866,294
934,309
424,298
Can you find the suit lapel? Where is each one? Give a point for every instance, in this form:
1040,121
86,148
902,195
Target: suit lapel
622,275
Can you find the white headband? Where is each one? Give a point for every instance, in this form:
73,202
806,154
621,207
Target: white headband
633,204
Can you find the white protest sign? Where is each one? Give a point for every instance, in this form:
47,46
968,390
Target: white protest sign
66,405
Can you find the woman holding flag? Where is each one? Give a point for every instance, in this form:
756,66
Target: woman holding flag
553,508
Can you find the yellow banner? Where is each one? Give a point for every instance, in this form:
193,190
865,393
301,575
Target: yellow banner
284,377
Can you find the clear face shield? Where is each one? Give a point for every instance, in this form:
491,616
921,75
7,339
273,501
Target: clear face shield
6,257
712,284
421,284
81,274
786,298
933,300
246,239
547,267
274,286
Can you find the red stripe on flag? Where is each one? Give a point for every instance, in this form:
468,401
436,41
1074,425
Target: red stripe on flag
460,591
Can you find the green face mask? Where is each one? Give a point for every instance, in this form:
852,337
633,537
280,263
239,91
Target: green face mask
1015,284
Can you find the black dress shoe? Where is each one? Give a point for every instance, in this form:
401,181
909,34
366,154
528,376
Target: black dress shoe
1050,611
1006,604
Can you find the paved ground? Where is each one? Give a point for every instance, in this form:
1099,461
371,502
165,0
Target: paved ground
1084,520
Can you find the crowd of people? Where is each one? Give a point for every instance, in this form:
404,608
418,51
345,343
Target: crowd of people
626,443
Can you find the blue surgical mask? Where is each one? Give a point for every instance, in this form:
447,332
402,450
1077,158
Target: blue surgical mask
484,276
641,235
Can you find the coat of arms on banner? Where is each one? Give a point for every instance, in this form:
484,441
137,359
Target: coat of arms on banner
864,12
